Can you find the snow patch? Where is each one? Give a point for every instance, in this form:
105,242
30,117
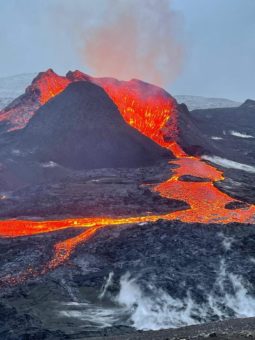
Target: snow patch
216,138
240,135
49,164
226,163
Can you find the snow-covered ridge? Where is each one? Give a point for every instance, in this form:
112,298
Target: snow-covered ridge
197,102
14,86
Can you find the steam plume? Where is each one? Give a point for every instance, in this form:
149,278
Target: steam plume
131,39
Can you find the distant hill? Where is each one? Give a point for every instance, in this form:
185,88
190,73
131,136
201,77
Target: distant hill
231,130
197,102
14,86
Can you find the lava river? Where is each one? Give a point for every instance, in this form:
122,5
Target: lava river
148,114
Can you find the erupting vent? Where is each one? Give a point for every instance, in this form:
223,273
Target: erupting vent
47,85
144,106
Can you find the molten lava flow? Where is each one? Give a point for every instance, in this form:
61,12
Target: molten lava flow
146,108
44,87
207,203
15,228
48,84
147,112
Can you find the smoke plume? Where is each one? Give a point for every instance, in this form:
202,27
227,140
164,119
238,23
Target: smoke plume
130,39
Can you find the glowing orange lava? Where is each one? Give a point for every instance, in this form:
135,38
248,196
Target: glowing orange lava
147,109
144,106
49,85
207,203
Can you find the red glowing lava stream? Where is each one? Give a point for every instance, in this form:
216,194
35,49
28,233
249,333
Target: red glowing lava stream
207,203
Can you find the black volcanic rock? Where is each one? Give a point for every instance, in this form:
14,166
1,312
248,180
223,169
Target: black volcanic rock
189,178
223,132
249,103
236,205
233,129
82,128
190,137
17,114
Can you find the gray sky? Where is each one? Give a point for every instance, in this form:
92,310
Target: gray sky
219,38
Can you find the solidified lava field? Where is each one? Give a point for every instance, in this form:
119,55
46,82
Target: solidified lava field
90,250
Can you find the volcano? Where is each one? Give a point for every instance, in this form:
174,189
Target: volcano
44,86
144,106
82,128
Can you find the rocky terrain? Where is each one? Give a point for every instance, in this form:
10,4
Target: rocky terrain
229,145
82,128
231,130
81,147
148,276
102,192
